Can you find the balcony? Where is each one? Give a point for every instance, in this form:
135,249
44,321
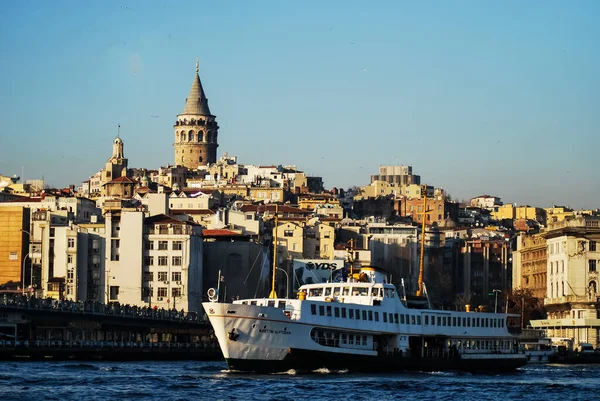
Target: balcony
570,299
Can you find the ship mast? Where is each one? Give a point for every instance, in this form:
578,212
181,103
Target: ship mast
422,257
273,293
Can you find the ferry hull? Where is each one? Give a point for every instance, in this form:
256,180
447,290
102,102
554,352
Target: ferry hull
308,360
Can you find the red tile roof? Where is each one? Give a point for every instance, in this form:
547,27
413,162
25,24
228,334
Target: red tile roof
219,233
120,180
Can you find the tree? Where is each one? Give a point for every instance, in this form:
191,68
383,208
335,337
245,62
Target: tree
522,302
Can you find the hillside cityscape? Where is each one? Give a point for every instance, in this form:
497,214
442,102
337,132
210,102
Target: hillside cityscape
161,237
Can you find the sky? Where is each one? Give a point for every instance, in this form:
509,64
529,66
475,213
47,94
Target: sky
498,98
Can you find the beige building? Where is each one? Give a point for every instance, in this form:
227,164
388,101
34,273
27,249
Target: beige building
196,130
529,264
572,300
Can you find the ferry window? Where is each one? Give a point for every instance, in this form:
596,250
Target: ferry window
458,322
412,319
281,305
271,304
357,314
351,339
321,310
364,341
487,323
371,315
364,315
392,318
336,311
502,321
328,310
407,320
315,292
419,320
469,322
384,317
336,291
361,291
464,322
477,322
343,338
252,302
346,291
327,291
396,318
389,292
426,320
494,322
454,321
402,319
351,313
439,320
313,309
344,313
377,316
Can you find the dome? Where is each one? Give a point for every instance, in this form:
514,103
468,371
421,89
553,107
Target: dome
145,181
176,187
118,141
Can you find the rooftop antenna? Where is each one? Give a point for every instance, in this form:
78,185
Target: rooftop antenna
197,69
118,130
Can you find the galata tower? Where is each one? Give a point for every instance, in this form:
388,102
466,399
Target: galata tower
196,130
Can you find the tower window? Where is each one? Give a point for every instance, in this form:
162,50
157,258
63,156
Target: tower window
200,159
200,135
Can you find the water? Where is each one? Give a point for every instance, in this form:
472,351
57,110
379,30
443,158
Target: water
211,381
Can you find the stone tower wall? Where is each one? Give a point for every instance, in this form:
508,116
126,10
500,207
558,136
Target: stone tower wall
196,140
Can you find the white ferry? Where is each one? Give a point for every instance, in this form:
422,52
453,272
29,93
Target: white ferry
359,325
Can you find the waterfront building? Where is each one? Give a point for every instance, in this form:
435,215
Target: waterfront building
196,130
14,247
530,261
172,266
572,300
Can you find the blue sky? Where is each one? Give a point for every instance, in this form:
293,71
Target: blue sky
496,98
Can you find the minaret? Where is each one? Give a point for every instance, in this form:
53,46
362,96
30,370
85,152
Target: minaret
196,130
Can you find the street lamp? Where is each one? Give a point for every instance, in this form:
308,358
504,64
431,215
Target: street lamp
287,279
496,302
31,264
23,270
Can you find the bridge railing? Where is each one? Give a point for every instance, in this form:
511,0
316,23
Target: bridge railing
96,308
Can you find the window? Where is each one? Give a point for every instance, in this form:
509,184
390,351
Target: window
71,243
69,258
150,245
313,309
176,276
163,245
321,310
371,315
357,314
377,316
364,315
149,276
163,260
328,310
288,233
162,292
344,313
351,313
336,312
592,265
114,292
177,245
176,261
593,246
176,292
163,276
384,317
149,261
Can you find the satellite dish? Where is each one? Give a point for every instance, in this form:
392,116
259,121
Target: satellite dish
213,295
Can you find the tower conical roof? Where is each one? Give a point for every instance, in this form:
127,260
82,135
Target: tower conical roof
196,102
